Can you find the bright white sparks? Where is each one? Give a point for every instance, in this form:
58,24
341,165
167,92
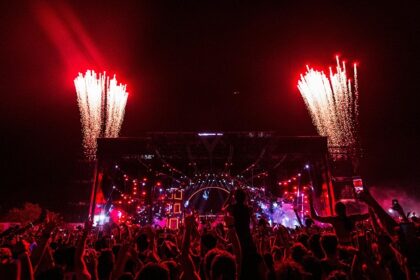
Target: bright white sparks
102,105
115,108
333,104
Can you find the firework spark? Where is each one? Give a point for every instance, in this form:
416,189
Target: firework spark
102,105
333,104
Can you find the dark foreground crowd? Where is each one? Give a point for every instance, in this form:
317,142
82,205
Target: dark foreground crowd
368,246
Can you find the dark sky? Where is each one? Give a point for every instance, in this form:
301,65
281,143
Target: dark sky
182,61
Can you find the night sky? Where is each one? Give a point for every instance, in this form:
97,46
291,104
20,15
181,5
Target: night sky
183,61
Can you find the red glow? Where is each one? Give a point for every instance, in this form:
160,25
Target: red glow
66,32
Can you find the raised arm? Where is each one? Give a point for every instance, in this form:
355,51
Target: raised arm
41,250
122,257
387,221
186,261
233,238
227,202
26,271
82,273
375,225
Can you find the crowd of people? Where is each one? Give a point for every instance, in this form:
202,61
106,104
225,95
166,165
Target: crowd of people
366,246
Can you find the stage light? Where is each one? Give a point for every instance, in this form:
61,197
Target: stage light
307,166
206,195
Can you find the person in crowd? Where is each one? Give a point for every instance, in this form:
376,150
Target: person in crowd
342,223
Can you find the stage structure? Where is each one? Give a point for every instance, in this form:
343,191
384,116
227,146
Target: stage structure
159,176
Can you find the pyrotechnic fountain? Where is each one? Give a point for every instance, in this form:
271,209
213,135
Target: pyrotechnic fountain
102,103
333,104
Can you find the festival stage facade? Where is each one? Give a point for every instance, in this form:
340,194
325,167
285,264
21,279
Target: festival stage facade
159,176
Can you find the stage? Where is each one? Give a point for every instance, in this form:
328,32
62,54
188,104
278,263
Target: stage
159,176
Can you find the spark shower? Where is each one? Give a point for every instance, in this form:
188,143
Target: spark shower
102,104
333,103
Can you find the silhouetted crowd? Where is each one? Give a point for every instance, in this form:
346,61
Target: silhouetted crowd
364,246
